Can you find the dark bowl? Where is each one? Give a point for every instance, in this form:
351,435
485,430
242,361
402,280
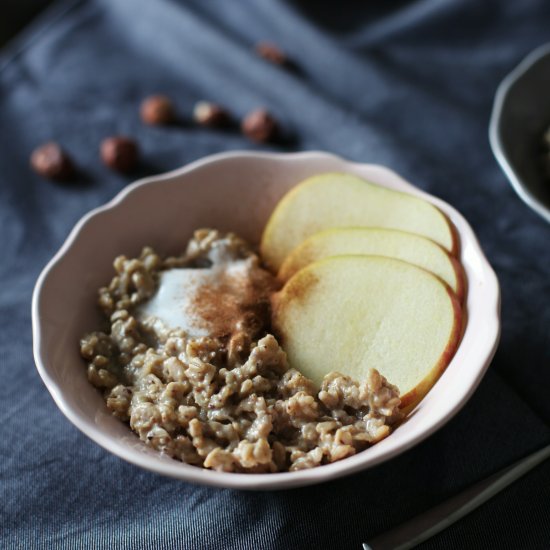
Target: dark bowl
521,114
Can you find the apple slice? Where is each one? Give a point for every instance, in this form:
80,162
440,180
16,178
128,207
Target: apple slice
344,200
392,243
353,313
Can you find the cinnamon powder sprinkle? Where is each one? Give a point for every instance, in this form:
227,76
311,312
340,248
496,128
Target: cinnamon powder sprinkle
234,301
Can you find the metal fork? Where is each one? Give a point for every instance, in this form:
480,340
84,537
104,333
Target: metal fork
435,520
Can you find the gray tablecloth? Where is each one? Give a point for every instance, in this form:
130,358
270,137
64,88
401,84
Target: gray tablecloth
409,85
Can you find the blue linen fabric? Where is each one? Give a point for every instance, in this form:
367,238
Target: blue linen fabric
405,84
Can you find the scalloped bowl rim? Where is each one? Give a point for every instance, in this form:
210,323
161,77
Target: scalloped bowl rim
495,139
283,480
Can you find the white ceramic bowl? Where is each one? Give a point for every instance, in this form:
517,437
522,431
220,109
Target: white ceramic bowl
521,114
237,192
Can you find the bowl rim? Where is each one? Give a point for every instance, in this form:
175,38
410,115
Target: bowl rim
495,138
269,481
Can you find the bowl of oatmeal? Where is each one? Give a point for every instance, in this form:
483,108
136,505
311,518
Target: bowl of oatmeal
215,400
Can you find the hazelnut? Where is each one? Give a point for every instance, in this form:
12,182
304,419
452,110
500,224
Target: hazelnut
119,153
210,114
157,110
270,52
259,126
50,161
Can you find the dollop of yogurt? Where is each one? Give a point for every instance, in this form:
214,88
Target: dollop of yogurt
173,302
214,301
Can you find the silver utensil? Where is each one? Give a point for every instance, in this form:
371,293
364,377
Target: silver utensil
435,520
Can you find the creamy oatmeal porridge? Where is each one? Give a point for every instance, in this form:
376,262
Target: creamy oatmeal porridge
187,359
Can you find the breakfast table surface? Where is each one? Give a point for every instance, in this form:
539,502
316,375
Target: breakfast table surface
409,85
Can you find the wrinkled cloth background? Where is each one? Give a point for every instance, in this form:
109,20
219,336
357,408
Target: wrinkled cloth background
405,84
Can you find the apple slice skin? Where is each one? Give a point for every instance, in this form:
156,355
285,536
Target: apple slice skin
413,397
303,285
343,200
392,243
